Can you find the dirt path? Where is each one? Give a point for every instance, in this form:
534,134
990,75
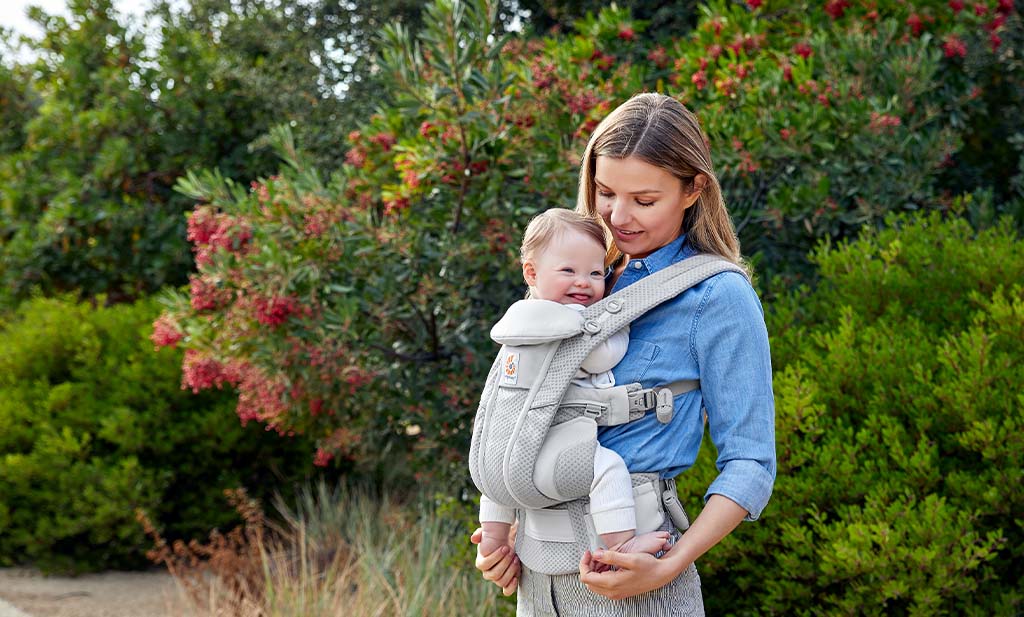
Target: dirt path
110,594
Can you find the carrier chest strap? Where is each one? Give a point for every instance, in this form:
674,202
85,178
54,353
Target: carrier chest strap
622,404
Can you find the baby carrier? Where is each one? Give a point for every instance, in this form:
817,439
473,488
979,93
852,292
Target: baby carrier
529,399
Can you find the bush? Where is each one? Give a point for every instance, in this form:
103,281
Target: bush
898,418
96,424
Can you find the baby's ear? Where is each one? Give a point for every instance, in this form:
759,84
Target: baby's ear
529,273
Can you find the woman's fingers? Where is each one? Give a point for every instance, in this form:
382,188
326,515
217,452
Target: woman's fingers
624,561
510,574
486,563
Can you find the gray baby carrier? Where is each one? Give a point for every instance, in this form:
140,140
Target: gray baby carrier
529,400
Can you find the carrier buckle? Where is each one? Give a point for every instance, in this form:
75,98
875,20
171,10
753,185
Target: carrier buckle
593,410
665,407
644,400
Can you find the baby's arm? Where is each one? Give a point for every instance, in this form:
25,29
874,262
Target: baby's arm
605,356
496,520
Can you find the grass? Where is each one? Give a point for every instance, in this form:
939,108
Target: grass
336,552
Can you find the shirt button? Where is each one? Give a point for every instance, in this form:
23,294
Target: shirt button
637,265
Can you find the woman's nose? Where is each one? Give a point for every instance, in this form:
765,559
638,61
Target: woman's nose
618,214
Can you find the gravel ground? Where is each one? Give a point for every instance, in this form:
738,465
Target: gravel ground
26,593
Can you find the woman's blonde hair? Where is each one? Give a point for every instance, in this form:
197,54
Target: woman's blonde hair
659,130
551,224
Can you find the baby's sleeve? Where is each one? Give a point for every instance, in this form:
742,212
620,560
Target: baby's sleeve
491,511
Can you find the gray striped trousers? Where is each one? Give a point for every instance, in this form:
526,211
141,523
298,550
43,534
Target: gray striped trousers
563,595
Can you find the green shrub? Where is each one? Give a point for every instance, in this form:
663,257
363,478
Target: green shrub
898,419
96,424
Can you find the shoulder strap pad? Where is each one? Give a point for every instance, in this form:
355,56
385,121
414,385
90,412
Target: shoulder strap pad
532,322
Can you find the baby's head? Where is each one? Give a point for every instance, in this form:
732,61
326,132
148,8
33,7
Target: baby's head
563,257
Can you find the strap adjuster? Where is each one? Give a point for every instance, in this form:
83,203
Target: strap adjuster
644,400
666,406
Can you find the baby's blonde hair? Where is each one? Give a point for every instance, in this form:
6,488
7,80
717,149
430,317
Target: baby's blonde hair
551,224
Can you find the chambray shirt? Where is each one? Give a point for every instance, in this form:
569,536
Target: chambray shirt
714,332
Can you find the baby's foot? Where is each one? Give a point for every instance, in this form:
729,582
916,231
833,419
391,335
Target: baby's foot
652,543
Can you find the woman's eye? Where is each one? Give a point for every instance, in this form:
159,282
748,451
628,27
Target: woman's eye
605,194
644,203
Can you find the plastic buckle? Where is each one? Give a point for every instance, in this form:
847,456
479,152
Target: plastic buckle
665,407
593,410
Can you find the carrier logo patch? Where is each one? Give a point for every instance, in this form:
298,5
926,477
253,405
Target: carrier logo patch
510,371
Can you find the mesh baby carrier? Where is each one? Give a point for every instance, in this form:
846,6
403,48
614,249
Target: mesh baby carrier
529,402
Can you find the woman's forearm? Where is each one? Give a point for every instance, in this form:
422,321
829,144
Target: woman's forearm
718,518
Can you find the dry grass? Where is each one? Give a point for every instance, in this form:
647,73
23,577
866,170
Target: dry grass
338,552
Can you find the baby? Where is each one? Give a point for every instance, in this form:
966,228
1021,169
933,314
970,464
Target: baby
563,261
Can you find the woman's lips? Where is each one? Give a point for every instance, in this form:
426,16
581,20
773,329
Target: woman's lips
626,235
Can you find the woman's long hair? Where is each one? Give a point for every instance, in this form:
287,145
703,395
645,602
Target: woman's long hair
659,130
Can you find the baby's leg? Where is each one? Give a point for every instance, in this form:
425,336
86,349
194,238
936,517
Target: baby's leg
612,508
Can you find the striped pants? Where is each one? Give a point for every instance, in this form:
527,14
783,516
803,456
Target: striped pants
563,595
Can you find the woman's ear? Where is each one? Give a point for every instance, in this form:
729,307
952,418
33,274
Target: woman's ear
699,182
529,273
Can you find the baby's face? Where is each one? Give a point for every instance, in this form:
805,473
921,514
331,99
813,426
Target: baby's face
570,270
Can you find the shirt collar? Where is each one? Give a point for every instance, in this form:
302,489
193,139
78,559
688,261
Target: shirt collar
674,251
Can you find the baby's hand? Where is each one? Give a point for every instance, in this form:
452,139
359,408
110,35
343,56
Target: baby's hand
491,543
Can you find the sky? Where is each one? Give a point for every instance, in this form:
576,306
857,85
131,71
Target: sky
13,15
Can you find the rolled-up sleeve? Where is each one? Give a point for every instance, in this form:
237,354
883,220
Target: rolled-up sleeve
729,342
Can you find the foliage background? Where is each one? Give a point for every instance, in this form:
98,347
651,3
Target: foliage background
343,257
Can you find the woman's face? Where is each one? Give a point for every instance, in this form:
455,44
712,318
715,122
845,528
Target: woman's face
641,204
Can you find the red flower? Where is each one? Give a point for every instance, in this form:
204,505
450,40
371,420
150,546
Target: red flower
980,9
384,140
165,332
396,205
956,5
803,50
787,73
786,133
995,40
954,47
836,8
915,24
427,129
275,310
699,79
755,4
322,458
1005,6
626,33
356,157
659,57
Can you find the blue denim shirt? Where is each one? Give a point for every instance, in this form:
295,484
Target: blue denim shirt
714,332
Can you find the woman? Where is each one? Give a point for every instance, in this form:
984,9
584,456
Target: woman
647,175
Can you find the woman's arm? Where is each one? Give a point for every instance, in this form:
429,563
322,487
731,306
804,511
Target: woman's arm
639,572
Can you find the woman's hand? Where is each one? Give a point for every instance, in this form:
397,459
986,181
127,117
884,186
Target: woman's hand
636,573
500,567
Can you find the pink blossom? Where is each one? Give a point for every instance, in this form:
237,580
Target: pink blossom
956,5
356,157
699,79
836,8
915,23
165,332
659,57
322,458
626,33
199,372
396,205
954,47
980,9
275,310
1005,6
803,50
755,4
384,140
